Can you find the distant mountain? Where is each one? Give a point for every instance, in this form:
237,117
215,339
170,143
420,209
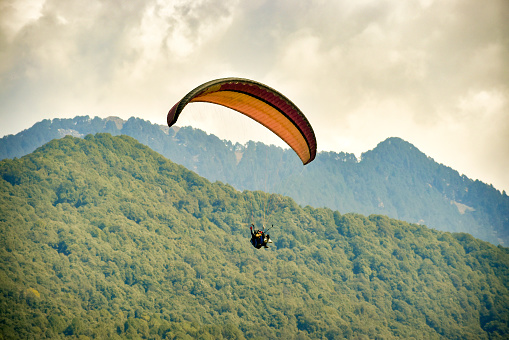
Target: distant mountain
394,179
104,238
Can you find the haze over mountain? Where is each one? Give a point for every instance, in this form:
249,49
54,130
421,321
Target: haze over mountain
104,238
394,179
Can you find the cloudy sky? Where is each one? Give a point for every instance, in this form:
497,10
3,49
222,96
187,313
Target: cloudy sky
435,73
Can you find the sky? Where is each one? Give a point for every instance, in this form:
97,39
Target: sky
434,73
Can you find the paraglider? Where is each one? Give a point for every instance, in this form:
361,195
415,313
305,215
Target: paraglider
261,103
264,105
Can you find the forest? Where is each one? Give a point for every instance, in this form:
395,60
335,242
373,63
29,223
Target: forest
394,179
102,237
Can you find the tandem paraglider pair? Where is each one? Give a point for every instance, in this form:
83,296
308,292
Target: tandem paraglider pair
259,238
264,105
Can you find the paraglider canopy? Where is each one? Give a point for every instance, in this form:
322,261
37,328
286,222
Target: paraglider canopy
261,103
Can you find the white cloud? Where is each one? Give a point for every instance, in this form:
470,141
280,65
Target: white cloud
14,15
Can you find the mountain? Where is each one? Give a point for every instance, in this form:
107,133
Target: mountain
394,179
104,238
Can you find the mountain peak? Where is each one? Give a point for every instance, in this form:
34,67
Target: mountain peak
394,151
396,143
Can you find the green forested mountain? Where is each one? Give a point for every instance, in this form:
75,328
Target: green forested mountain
102,237
394,179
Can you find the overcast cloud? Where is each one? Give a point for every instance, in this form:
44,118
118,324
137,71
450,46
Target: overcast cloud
434,73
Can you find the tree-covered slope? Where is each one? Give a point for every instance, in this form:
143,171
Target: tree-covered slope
394,179
104,238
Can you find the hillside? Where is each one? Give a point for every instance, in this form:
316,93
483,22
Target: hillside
394,179
104,238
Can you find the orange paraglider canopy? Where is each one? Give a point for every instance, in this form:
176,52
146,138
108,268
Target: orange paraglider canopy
261,103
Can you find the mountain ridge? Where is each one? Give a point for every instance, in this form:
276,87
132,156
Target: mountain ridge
394,179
